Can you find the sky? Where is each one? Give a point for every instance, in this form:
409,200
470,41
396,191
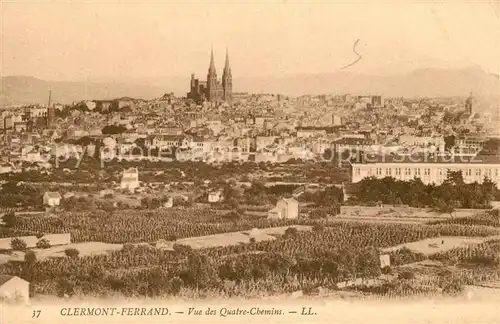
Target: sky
96,40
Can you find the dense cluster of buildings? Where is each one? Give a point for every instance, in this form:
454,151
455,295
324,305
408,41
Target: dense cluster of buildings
214,125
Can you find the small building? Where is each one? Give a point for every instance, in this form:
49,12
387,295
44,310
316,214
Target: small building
286,208
215,196
52,199
385,260
169,203
5,168
495,204
130,179
13,288
106,193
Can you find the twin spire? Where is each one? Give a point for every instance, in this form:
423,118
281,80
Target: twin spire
227,68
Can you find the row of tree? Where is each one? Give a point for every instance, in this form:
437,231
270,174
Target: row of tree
452,193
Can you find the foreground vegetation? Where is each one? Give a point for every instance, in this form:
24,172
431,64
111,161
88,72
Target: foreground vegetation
295,260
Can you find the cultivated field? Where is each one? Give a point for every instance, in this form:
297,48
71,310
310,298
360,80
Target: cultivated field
440,244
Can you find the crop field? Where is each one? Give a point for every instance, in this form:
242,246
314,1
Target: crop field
132,226
440,244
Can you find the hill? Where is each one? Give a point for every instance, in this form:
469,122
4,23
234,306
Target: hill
420,83
18,90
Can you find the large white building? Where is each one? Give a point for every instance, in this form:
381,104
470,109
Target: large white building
430,169
286,208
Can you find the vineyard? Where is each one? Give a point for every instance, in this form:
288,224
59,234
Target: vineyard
487,253
134,226
489,218
295,260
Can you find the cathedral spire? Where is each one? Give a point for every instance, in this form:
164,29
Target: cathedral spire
212,64
226,66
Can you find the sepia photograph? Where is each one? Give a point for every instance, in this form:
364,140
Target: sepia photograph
238,161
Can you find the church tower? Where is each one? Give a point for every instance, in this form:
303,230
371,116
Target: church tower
227,80
212,90
468,104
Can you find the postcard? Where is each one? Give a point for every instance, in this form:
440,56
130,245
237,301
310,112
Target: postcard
235,162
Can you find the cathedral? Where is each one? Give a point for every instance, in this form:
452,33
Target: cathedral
212,90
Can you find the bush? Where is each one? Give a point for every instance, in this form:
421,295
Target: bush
43,244
175,285
18,245
291,231
318,213
318,228
406,275
9,219
30,257
72,253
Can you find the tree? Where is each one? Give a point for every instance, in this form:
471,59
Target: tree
446,207
30,257
18,245
10,219
449,142
318,213
72,253
291,231
233,216
43,244
175,285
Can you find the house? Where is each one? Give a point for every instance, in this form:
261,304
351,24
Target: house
215,196
106,193
68,195
169,203
13,288
286,208
5,168
385,260
51,198
130,179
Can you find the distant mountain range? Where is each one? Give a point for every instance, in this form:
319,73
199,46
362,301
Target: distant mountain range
28,90
420,83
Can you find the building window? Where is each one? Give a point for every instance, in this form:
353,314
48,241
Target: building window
468,172
408,171
388,171
417,171
379,171
357,171
427,172
478,172
398,171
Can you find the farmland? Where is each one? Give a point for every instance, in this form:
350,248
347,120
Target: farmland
210,254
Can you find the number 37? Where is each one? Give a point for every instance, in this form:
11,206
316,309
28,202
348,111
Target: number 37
36,313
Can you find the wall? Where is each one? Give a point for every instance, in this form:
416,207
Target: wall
16,288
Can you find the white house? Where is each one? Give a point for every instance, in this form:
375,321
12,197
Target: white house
286,208
130,179
5,168
14,288
169,203
52,198
215,196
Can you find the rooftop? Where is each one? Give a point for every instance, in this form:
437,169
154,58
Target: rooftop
4,278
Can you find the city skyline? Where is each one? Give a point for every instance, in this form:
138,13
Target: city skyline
94,41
